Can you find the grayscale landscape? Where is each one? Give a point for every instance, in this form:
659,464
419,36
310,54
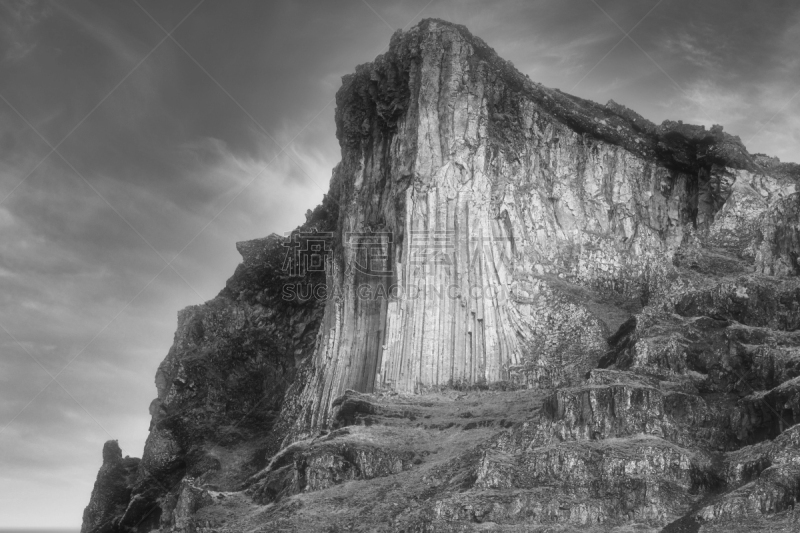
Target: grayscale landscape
418,287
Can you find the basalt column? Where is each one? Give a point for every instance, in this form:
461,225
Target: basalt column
478,203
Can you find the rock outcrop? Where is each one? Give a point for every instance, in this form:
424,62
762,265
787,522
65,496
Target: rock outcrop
112,490
515,309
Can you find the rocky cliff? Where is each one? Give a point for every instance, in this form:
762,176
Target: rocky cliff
515,310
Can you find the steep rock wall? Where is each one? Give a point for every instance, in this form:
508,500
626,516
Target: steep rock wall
480,193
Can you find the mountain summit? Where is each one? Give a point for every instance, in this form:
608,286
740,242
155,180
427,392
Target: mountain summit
515,310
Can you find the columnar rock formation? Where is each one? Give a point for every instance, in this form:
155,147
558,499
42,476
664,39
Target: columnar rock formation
493,188
538,312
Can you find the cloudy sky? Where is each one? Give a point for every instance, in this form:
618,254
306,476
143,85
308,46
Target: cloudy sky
139,142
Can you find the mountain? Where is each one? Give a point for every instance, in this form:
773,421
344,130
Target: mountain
515,310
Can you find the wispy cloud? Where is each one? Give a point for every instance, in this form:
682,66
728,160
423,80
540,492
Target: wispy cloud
696,45
19,17
103,31
708,102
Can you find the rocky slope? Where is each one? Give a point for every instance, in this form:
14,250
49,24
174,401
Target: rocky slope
536,313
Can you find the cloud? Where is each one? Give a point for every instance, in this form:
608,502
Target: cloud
693,45
787,47
709,102
102,30
777,130
17,20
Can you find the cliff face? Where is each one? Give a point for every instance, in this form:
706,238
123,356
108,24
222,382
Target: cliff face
493,191
615,301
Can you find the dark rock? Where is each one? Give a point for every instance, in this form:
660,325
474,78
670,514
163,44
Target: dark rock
112,490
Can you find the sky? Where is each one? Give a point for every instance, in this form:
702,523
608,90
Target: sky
140,141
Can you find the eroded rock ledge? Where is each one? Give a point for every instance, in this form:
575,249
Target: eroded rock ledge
594,325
